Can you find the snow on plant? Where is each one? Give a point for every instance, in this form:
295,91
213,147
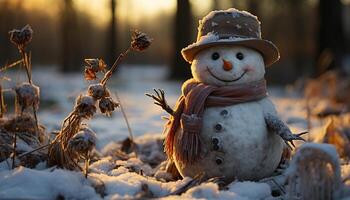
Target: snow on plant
93,66
314,173
82,144
27,97
60,150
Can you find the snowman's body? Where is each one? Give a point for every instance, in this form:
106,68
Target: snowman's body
235,140
236,143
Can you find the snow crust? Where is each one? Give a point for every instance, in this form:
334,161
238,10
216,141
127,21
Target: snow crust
50,184
234,12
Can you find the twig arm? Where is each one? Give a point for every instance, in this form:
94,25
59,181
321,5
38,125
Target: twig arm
159,99
277,126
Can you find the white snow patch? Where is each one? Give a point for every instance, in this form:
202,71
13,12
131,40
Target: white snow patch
213,24
24,183
234,12
261,190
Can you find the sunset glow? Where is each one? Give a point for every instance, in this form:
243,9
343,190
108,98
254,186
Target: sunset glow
131,11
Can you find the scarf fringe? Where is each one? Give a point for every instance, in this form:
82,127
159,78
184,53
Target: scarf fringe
188,148
169,140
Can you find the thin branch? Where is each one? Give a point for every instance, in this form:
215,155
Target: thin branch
2,103
160,100
14,150
114,67
127,122
34,150
8,66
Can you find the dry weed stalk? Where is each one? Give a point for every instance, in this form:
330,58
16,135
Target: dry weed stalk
314,173
62,152
27,94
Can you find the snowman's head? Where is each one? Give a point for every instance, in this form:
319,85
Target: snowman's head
228,65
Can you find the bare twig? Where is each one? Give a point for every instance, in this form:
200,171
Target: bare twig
87,162
14,150
2,103
25,65
8,66
114,67
160,100
34,150
127,123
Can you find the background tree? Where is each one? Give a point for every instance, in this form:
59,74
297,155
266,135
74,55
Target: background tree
112,38
331,38
70,51
182,37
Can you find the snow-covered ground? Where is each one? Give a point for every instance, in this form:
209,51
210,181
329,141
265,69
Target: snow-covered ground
131,83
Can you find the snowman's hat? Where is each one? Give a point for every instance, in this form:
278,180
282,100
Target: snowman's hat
231,27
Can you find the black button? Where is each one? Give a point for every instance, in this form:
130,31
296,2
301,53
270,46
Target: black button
216,147
218,127
218,161
215,141
224,113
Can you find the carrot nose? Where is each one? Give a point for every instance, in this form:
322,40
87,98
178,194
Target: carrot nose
227,65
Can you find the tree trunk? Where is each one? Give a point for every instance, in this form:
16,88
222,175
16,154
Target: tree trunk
182,37
70,51
215,5
112,37
330,35
253,7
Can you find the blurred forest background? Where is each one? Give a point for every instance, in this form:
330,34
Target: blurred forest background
313,35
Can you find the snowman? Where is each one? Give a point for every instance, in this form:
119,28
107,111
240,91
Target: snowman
224,124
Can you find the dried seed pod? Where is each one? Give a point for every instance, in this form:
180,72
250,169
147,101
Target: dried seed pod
94,65
85,106
140,41
89,74
107,105
82,142
98,91
21,37
27,95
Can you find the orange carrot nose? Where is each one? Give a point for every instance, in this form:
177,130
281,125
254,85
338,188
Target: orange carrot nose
227,65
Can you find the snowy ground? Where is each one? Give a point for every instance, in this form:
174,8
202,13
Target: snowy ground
131,83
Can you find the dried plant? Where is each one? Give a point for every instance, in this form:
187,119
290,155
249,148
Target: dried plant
21,38
2,103
140,41
62,151
107,105
82,144
26,94
85,107
21,129
98,91
94,65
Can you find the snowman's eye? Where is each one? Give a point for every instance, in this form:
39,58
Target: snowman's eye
215,56
239,56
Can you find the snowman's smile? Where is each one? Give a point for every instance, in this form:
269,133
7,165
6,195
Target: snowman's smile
225,80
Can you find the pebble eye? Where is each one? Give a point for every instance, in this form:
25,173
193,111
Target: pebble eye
239,56
215,56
